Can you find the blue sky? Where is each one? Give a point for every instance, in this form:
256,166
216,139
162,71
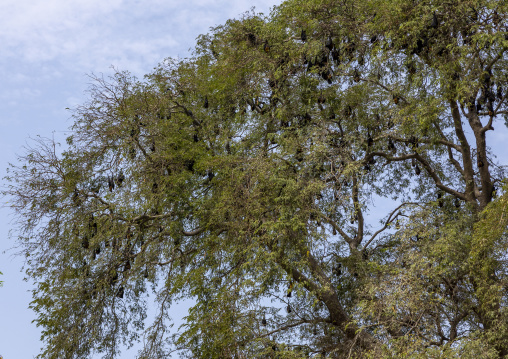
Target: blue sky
46,49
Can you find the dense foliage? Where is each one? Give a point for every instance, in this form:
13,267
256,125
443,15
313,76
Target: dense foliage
317,182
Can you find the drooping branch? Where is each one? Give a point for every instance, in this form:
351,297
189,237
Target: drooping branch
391,217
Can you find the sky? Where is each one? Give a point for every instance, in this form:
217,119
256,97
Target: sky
47,49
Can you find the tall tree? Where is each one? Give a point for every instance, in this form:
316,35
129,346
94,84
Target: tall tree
245,179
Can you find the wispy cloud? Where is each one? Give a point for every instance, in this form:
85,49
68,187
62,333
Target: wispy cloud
88,35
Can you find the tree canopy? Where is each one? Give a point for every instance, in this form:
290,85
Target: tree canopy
317,182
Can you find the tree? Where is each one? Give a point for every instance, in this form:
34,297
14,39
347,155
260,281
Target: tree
245,179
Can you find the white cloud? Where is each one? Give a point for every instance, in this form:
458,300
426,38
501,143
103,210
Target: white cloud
13,95
38,25
88,35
